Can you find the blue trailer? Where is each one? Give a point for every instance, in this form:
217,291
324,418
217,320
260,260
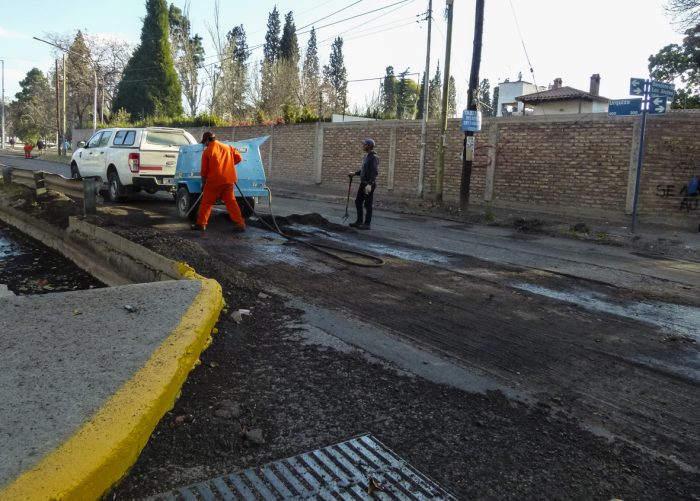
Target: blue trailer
250,171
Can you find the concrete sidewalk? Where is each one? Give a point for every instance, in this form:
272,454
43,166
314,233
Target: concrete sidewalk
87,375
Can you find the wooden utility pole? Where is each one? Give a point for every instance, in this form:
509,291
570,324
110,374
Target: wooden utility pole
426,94
65,152
468,150
440,174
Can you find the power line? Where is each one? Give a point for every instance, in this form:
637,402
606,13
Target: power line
330,15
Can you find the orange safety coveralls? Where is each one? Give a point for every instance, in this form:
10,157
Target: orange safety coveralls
28,150
219,168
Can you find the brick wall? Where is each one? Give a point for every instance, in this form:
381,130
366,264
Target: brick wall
576,164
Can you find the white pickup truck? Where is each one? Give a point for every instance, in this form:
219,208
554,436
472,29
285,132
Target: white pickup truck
131,159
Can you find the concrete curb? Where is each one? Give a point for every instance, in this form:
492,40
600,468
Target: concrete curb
99,454
89,463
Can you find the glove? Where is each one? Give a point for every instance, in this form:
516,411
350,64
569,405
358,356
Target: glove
351,174
368,189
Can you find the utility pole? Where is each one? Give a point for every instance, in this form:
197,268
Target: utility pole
58,114
443,117
468,149
424,125
2,104
65,152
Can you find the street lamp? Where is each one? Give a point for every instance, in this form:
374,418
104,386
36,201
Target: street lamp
94,70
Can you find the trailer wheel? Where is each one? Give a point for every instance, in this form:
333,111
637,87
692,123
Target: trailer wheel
246,208
185,201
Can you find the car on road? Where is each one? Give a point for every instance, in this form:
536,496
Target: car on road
131,159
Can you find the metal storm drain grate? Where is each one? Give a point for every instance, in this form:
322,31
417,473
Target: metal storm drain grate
360,468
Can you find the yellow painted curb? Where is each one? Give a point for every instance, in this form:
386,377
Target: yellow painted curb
102,451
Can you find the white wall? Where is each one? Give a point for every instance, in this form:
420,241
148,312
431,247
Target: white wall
508,91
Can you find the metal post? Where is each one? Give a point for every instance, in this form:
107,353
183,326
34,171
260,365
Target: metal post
7,176
89,196
59,136
65,151
426,94
640,156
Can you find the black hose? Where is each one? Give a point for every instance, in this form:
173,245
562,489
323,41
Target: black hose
375,261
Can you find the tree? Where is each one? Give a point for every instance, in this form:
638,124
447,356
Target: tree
335,78
452,98
188,55
494,103
484,100
34,111
420,106
269,97
389,98
310,94
80,85
288,64
406,98
683,62
149,85
236,72
435,94
685,12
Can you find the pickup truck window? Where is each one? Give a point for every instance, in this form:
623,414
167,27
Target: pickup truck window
166,138
124,138
94,140
105,138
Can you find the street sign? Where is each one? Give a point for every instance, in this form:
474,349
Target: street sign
624,107
637,86
657,105
471,121
662,89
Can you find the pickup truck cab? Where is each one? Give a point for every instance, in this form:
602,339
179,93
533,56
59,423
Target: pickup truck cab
250,186
131,159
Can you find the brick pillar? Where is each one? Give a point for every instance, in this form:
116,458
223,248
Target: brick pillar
318,154
392,158
492,151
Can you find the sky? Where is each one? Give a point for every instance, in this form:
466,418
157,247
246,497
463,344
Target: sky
567,39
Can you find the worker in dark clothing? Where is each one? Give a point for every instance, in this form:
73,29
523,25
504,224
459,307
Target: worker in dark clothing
365,193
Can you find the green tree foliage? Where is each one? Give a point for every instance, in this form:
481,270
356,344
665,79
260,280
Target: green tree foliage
310,93
288,65
680,61
494,103
33,113
435,94
389,98
452,98
335,78
235,73
150,85
420,105
484,103
188,56
269,99
80,81
407,92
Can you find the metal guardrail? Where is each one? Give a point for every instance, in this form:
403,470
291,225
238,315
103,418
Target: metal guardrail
82,189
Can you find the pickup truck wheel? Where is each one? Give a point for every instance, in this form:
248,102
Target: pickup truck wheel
74,171
246,208
184,201
115,190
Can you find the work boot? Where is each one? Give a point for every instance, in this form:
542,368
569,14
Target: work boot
198,227
238,229
356,224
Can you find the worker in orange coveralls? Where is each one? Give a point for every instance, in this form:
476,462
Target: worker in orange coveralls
218,176
28,150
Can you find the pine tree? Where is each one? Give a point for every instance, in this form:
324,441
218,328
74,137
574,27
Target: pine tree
335,78
310,94
288,66
389,94
435,94
452,98
420,106
149,85
235,72
494,103
80,86
484,103
269,99
406,98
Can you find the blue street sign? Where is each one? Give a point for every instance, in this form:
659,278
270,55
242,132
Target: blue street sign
624,107
657,105
471,121
662,89
637,86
